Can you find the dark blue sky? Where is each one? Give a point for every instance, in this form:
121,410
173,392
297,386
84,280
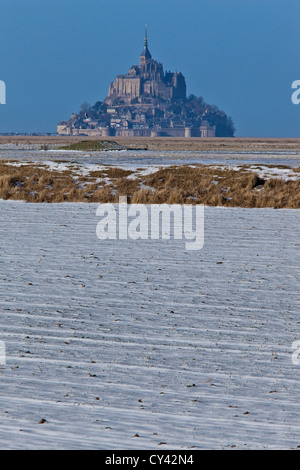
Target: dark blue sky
241,55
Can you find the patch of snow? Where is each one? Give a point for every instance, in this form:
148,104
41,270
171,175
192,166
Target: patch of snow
107,340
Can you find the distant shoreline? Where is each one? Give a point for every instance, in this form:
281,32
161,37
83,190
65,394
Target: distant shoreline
254,144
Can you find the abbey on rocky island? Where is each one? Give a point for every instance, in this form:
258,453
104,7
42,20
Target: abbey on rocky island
148,102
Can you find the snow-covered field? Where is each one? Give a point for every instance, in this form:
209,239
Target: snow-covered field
122,344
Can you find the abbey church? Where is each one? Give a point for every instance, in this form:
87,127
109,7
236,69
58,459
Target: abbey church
148,102
147,83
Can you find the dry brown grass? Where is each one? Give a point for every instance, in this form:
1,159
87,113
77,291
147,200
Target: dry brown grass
172,185
112,173
222,187
34,184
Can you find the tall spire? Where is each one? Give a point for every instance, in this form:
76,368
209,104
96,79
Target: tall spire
145,52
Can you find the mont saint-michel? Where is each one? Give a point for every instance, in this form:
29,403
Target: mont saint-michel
149,102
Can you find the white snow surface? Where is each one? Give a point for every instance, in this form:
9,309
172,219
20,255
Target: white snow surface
123,344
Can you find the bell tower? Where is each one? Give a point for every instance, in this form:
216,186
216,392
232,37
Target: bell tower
145,54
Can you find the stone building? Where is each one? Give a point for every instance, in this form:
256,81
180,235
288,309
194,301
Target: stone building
146,82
